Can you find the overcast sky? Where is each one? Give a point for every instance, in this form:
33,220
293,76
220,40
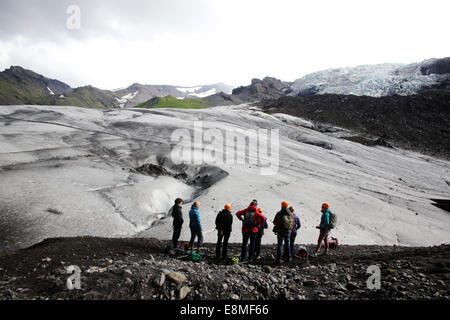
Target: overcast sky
192,42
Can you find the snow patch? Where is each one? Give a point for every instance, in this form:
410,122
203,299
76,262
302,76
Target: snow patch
205,93
189,90
131,95
50,91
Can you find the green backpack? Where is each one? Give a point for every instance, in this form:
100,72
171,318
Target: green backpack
287,221
194,256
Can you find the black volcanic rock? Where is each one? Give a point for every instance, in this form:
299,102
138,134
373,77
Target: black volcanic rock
440,66
419,122
138,268
223,99
268,88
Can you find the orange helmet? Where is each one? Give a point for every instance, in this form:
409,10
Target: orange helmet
228,207
260,210
285,204
326,205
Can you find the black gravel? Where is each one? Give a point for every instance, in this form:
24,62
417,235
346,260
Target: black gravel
139,268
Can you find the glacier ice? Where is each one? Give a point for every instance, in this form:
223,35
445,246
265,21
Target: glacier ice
76,162
369,80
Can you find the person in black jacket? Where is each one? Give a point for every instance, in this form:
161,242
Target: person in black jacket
177,221
224,220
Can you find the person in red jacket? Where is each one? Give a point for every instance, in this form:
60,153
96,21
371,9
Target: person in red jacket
251,218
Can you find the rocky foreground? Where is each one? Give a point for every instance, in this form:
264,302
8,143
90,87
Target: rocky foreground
139,268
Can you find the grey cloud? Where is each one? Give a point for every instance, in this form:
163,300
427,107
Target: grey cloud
46,19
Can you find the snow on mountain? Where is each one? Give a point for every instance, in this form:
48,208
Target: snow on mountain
124,100
50,91
139,93
203,94
65,171
204,91
189,90
370,80
131,95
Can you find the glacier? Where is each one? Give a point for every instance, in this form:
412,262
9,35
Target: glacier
369,80
67,171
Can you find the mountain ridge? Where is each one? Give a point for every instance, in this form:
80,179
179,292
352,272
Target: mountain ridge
22,86
19,86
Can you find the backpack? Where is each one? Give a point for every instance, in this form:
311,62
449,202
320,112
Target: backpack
333,220
249,220
287,222
170,213
333,242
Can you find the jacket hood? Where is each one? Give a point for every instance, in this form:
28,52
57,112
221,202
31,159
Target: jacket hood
253,208
285,210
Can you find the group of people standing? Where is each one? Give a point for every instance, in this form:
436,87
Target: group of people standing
286,224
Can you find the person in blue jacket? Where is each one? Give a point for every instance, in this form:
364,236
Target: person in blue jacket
324,228
195,225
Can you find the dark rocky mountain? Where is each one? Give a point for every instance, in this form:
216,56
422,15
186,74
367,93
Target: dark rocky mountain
440,66
419,122
21,86
268,88
223,99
